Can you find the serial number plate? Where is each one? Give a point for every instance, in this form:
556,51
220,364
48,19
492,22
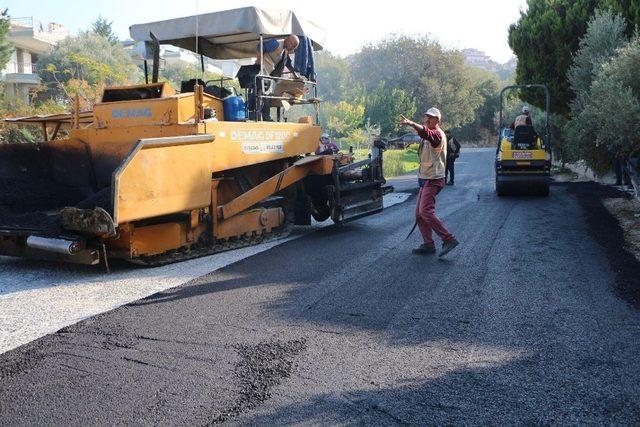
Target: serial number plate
521,155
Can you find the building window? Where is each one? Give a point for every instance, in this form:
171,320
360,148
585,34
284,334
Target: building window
20,59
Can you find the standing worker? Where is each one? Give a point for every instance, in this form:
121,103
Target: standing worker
432,155
453,152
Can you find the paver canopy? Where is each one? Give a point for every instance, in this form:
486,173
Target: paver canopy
229,34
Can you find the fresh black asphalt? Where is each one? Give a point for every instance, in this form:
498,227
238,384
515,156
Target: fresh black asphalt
533,319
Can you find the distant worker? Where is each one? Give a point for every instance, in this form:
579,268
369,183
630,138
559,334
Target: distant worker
275,58
453,152
432,153
326,146
523,119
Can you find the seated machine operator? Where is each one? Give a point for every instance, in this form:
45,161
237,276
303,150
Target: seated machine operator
523,119
276,57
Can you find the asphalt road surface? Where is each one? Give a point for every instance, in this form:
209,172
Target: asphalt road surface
533,319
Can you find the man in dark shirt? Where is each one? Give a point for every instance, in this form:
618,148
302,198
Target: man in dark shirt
453,152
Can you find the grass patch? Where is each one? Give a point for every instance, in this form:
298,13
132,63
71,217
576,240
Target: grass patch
396,162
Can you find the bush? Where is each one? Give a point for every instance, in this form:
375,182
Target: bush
605,120
11,134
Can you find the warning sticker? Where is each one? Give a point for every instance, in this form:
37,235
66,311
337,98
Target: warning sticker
262,147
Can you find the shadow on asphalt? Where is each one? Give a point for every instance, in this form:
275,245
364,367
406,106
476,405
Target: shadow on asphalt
511,393
208,284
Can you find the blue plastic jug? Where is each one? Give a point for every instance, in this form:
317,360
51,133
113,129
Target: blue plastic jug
234,109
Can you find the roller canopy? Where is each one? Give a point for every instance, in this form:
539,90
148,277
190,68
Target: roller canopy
229,34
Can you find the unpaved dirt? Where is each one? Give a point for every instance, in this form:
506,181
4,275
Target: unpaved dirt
627,212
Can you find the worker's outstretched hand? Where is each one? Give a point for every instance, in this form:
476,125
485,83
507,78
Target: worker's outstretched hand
404,120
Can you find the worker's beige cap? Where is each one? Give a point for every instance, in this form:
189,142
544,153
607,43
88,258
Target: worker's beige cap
434,112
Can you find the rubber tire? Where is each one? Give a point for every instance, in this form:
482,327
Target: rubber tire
543,191
320,210
500,189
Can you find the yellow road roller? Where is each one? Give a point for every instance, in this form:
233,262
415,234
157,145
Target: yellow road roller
523,157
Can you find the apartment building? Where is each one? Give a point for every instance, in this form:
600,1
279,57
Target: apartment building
30,38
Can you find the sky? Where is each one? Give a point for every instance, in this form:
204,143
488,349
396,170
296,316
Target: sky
457,24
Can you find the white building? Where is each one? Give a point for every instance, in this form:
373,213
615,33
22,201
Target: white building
30,38
169,55
477,58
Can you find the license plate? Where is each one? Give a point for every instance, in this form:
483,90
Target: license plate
521,155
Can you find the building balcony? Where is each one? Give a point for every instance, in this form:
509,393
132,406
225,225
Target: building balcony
34,35
21,68
21,78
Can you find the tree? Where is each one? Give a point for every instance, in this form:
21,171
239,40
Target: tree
428,73
102,27
342,118
335,82
629,9
605,34
364,135
544,39
5,47
608,125
384,106
84,65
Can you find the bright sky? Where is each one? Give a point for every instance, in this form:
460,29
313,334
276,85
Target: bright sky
350,24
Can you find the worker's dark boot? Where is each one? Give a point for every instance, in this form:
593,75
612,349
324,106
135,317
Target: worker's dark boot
448,247
424,249
450,183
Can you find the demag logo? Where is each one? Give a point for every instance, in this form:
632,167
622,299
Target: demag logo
128,113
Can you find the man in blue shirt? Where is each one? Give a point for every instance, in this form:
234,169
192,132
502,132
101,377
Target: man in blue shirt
276,56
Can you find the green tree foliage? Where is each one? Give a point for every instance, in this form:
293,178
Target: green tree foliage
5,47
629,9
102,27
428,73
544,39
362,136
604,35
335,81
342,118
484,126
608,124
383,107
15,107
84,65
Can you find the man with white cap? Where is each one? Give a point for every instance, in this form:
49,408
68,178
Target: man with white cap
432,153
523,119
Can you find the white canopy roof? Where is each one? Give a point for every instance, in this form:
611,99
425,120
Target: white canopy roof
229,34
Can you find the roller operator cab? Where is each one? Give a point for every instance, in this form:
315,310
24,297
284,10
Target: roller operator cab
152,176
523,156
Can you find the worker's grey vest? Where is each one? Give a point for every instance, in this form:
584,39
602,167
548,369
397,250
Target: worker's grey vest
432,159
